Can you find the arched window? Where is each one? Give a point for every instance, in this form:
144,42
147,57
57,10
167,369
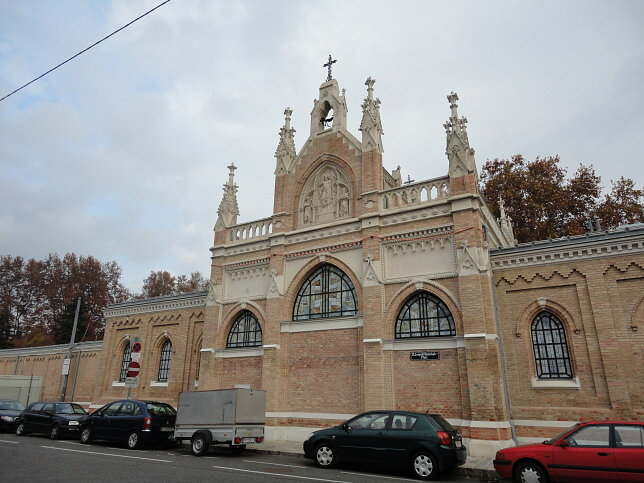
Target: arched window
164,361
424,315
550,348
245,332
127,358
328,292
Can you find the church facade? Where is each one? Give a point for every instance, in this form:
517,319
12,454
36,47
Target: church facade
362,292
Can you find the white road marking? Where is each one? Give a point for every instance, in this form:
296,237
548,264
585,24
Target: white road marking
379,476
107,454
5,441
274,464
280,475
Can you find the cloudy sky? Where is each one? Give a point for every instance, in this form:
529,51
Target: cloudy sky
121,153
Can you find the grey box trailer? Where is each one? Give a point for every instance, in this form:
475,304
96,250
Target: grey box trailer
225,416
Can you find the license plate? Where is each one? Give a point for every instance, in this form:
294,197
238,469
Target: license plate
164,428
458,443
248,440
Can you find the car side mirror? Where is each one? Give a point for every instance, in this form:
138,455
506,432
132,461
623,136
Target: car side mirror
346,427
564,443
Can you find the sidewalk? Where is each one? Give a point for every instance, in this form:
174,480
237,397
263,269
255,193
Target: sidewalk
474,467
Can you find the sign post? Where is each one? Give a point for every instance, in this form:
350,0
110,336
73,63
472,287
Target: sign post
133,368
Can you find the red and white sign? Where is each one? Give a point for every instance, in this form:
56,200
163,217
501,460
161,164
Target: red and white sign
136,347
133,369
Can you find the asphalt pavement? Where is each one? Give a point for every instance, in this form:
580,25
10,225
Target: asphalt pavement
475,467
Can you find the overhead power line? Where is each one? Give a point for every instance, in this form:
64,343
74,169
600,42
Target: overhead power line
85,50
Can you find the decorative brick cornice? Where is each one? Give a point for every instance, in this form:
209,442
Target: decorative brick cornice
621,242
157,304
316,251
323,232
51,349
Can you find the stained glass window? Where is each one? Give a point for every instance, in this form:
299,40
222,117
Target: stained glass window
424,315
245,332
550,347
328,292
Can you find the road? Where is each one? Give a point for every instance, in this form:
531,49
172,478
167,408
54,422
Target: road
37,458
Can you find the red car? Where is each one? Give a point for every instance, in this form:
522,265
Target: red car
599,451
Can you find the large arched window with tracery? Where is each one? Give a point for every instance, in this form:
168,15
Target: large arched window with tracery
424,315
164,361
125,361
245,331
551,355
328,292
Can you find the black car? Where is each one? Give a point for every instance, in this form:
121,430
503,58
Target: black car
426,444
10,409
57,419
132,422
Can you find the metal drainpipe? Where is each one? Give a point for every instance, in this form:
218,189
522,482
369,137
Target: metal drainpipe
504,377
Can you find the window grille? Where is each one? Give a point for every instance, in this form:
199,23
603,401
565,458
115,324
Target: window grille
424,315
328,292
551,354
245,332
164,362
127,358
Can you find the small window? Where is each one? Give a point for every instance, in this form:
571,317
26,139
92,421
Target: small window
424,315
551,355
402,422
591,436
245,332
112,409
374,421
164,361
629,436
38,406
125,361
127,409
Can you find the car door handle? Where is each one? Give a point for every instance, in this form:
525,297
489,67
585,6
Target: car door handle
603,454
381,433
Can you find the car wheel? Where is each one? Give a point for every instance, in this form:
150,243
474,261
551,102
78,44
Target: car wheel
325,456
530,472
86,435
199,444
133,440
54,433
20,429
424,466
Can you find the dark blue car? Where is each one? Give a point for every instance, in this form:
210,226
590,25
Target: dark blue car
132,422
10,409
56,419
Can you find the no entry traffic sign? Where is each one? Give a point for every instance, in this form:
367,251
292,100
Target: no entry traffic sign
133,369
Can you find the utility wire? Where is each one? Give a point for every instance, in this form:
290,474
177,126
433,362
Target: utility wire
84,50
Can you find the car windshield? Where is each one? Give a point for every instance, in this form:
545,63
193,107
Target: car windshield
552,440
69,409
17,405
160,409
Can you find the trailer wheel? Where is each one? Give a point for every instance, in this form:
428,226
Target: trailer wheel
199,444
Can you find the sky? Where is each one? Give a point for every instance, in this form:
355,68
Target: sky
122,152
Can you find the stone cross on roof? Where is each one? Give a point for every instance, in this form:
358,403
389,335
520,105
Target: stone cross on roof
328,65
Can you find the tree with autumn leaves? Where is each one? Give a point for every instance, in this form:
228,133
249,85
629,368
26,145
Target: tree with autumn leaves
544,203
38,297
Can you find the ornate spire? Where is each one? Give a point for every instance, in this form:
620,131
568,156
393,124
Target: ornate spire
505,222
285,152
228,208
459,153
371,126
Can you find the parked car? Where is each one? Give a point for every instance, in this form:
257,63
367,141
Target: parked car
10,409
591,451
426,444
57,419
132,422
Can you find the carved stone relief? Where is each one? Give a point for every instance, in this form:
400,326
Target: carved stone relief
326,196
